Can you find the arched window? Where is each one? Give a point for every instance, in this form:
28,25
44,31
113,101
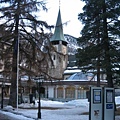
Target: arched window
70,92
60,92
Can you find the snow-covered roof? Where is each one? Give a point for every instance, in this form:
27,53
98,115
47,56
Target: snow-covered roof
72,71
78,76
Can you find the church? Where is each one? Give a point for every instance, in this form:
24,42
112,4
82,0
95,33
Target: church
75,84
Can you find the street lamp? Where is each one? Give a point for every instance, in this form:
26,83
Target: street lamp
40,81
2,96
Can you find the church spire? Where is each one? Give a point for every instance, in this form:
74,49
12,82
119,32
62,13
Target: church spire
58,33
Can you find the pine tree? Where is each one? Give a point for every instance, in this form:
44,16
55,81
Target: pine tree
19,22
100,38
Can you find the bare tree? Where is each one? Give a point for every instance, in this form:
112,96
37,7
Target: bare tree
21,27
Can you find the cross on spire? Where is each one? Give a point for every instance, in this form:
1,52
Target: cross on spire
59,3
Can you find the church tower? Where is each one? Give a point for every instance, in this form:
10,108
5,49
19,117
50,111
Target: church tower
60,55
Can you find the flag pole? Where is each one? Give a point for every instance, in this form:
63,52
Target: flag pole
17,68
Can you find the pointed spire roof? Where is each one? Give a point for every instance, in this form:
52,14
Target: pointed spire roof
58,33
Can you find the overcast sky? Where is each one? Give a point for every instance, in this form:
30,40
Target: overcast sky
69,13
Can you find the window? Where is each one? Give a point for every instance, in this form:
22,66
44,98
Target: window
81,93
60,92
53,57
70,92
59,59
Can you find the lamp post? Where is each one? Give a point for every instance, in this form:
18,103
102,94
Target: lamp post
47,91
2,96
40,81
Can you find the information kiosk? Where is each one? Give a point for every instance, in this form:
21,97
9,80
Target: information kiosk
109,104
96,103
102,103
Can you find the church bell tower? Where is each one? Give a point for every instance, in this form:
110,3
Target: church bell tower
60,55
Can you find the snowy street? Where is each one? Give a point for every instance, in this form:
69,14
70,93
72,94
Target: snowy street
71,110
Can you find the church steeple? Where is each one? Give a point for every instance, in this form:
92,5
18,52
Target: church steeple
60,57
58,33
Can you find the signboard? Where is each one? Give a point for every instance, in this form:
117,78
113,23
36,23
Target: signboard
109,96
109,106
96,96
109,112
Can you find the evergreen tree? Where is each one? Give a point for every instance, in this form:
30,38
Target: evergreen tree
19,21
100,38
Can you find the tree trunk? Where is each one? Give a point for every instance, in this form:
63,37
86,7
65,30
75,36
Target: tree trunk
13,89
106,47
98,72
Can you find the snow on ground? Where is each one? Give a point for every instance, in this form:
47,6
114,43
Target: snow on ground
71,110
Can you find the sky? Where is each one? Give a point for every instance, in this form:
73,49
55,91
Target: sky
69,13
71,110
